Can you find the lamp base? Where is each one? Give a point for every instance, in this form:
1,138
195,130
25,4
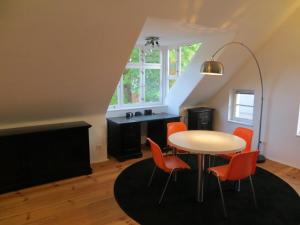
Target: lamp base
261,159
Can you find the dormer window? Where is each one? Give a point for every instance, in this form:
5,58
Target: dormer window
178,60
140,83
149,74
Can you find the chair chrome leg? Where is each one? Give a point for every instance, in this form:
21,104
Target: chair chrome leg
222,198
152,175
209,163
175,176
253,192
165,188
238,186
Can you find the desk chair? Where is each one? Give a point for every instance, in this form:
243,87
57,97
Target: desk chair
241,166
245,134
168,163
174,127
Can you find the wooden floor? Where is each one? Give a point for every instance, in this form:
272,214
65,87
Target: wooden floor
87,199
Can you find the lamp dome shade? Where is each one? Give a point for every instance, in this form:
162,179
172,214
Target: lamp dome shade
212,68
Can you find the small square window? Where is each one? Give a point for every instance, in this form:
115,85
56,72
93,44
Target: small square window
241,106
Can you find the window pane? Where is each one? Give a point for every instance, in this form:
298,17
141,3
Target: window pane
187,53
152,85
171,83
172,62
131,86
152,55
245,99
244,112
114,99
135,56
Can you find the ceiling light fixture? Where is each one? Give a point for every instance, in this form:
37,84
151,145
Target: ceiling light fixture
152,41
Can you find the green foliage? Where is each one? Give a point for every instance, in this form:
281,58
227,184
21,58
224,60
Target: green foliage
131,86
171,83
131,77
172,62
152,55
114,99
135,56
187,53
152,85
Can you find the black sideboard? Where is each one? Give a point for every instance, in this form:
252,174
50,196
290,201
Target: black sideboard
40,154
124,134
200,118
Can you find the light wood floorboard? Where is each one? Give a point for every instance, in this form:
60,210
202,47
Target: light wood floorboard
88,200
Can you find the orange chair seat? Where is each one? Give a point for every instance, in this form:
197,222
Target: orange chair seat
220,171
173,162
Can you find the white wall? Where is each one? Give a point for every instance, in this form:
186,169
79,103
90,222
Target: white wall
279,60
191,76
61,60
97,133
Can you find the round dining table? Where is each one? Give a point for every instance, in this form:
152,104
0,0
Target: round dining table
204,142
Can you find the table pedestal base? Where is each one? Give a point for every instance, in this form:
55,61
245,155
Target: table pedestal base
200,184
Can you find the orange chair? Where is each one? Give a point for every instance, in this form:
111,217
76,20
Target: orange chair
241,166
167,163
244,133
174,127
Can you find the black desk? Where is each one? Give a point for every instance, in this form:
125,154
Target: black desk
124,135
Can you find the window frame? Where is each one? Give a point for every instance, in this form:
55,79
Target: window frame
178,65
233,104
165,77
142,66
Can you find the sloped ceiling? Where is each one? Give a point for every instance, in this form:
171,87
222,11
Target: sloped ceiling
253,26
64,58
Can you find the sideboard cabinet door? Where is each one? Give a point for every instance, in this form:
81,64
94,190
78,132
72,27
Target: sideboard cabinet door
12,173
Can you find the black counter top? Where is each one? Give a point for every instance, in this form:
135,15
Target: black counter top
41,128
138,119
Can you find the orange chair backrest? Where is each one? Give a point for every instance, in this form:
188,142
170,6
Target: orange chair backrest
242,165
175,127
246,134
157,155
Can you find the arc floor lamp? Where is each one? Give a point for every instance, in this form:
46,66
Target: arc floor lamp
213,67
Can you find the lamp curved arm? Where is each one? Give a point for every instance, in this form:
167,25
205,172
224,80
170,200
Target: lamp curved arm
260,77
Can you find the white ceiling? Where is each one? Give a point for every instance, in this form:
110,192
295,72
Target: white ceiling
174,33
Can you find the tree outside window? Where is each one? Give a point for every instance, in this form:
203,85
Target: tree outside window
131,86
141,82
178,60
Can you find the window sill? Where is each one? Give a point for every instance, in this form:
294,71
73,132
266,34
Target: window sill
239,122
135,108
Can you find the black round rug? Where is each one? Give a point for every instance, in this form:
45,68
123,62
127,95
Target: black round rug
277,202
